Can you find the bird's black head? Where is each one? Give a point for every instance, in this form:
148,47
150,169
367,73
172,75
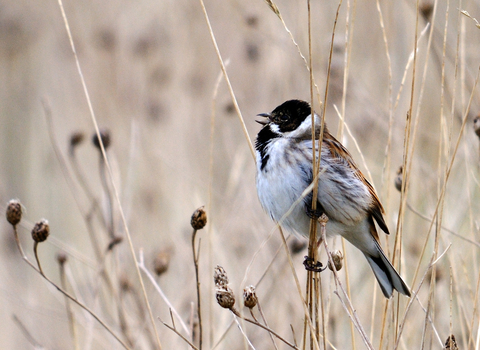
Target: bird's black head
290,114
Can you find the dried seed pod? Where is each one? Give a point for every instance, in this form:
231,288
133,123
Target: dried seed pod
297,245
124,282
337,258
105,136
399,179
476,125
14,212
199,219
40,231
62,257
220,276
225,297
250,299
161,262
76,138
450,344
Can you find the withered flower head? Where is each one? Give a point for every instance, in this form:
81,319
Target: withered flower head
14,212
40,231
250,299
199,219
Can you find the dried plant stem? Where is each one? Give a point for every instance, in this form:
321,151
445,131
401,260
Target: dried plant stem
70,316
350,309
264,321
27,334
61,290
108,194
174,329
35,248
102,148
227,79
237,314
141,265
197,279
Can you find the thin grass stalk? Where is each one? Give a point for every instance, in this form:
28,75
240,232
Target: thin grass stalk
227,80
68,307
117,197
65,293
197,279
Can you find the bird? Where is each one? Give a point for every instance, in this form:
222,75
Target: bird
283,152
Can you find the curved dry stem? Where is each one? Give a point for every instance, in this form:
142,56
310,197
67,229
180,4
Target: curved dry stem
227,79
237,314
197,279
65,293
107,164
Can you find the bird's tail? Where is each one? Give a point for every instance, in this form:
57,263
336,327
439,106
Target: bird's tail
386,275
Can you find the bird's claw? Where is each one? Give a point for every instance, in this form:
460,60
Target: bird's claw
312,265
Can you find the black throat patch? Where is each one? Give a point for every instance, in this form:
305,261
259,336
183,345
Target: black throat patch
264,137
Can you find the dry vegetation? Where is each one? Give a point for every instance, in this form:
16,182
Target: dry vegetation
155,83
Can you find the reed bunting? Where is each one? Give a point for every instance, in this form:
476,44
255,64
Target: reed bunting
284,171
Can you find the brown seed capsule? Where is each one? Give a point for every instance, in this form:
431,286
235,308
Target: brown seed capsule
220,276
40,231
76,138
124,282
337,258
399,179
297,245
450,344
225,297
250,299
14,212
199,219
62,257
105,136
161,262
476,125
426,10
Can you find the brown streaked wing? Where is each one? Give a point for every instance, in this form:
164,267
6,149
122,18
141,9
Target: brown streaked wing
339,151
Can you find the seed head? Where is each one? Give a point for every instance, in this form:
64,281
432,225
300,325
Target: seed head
40,231
337,258
225,297
297,245
76,138
399,179
250,299
62,258
220,276
476,125
161,262
14,212
450,344
105,136
199,219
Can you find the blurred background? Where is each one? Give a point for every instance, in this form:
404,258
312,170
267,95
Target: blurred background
155,83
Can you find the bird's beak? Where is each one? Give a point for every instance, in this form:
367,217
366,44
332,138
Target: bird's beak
264,115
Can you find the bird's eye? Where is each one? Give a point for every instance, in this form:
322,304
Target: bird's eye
284,117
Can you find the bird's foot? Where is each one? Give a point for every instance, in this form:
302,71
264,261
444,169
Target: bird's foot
312,265
314,214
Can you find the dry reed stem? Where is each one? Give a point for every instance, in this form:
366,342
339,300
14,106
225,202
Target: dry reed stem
351,312
449,168
209,200
141,265
196,255
227,80
275,9
107,164
70,315
65,293
237,314
26,333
